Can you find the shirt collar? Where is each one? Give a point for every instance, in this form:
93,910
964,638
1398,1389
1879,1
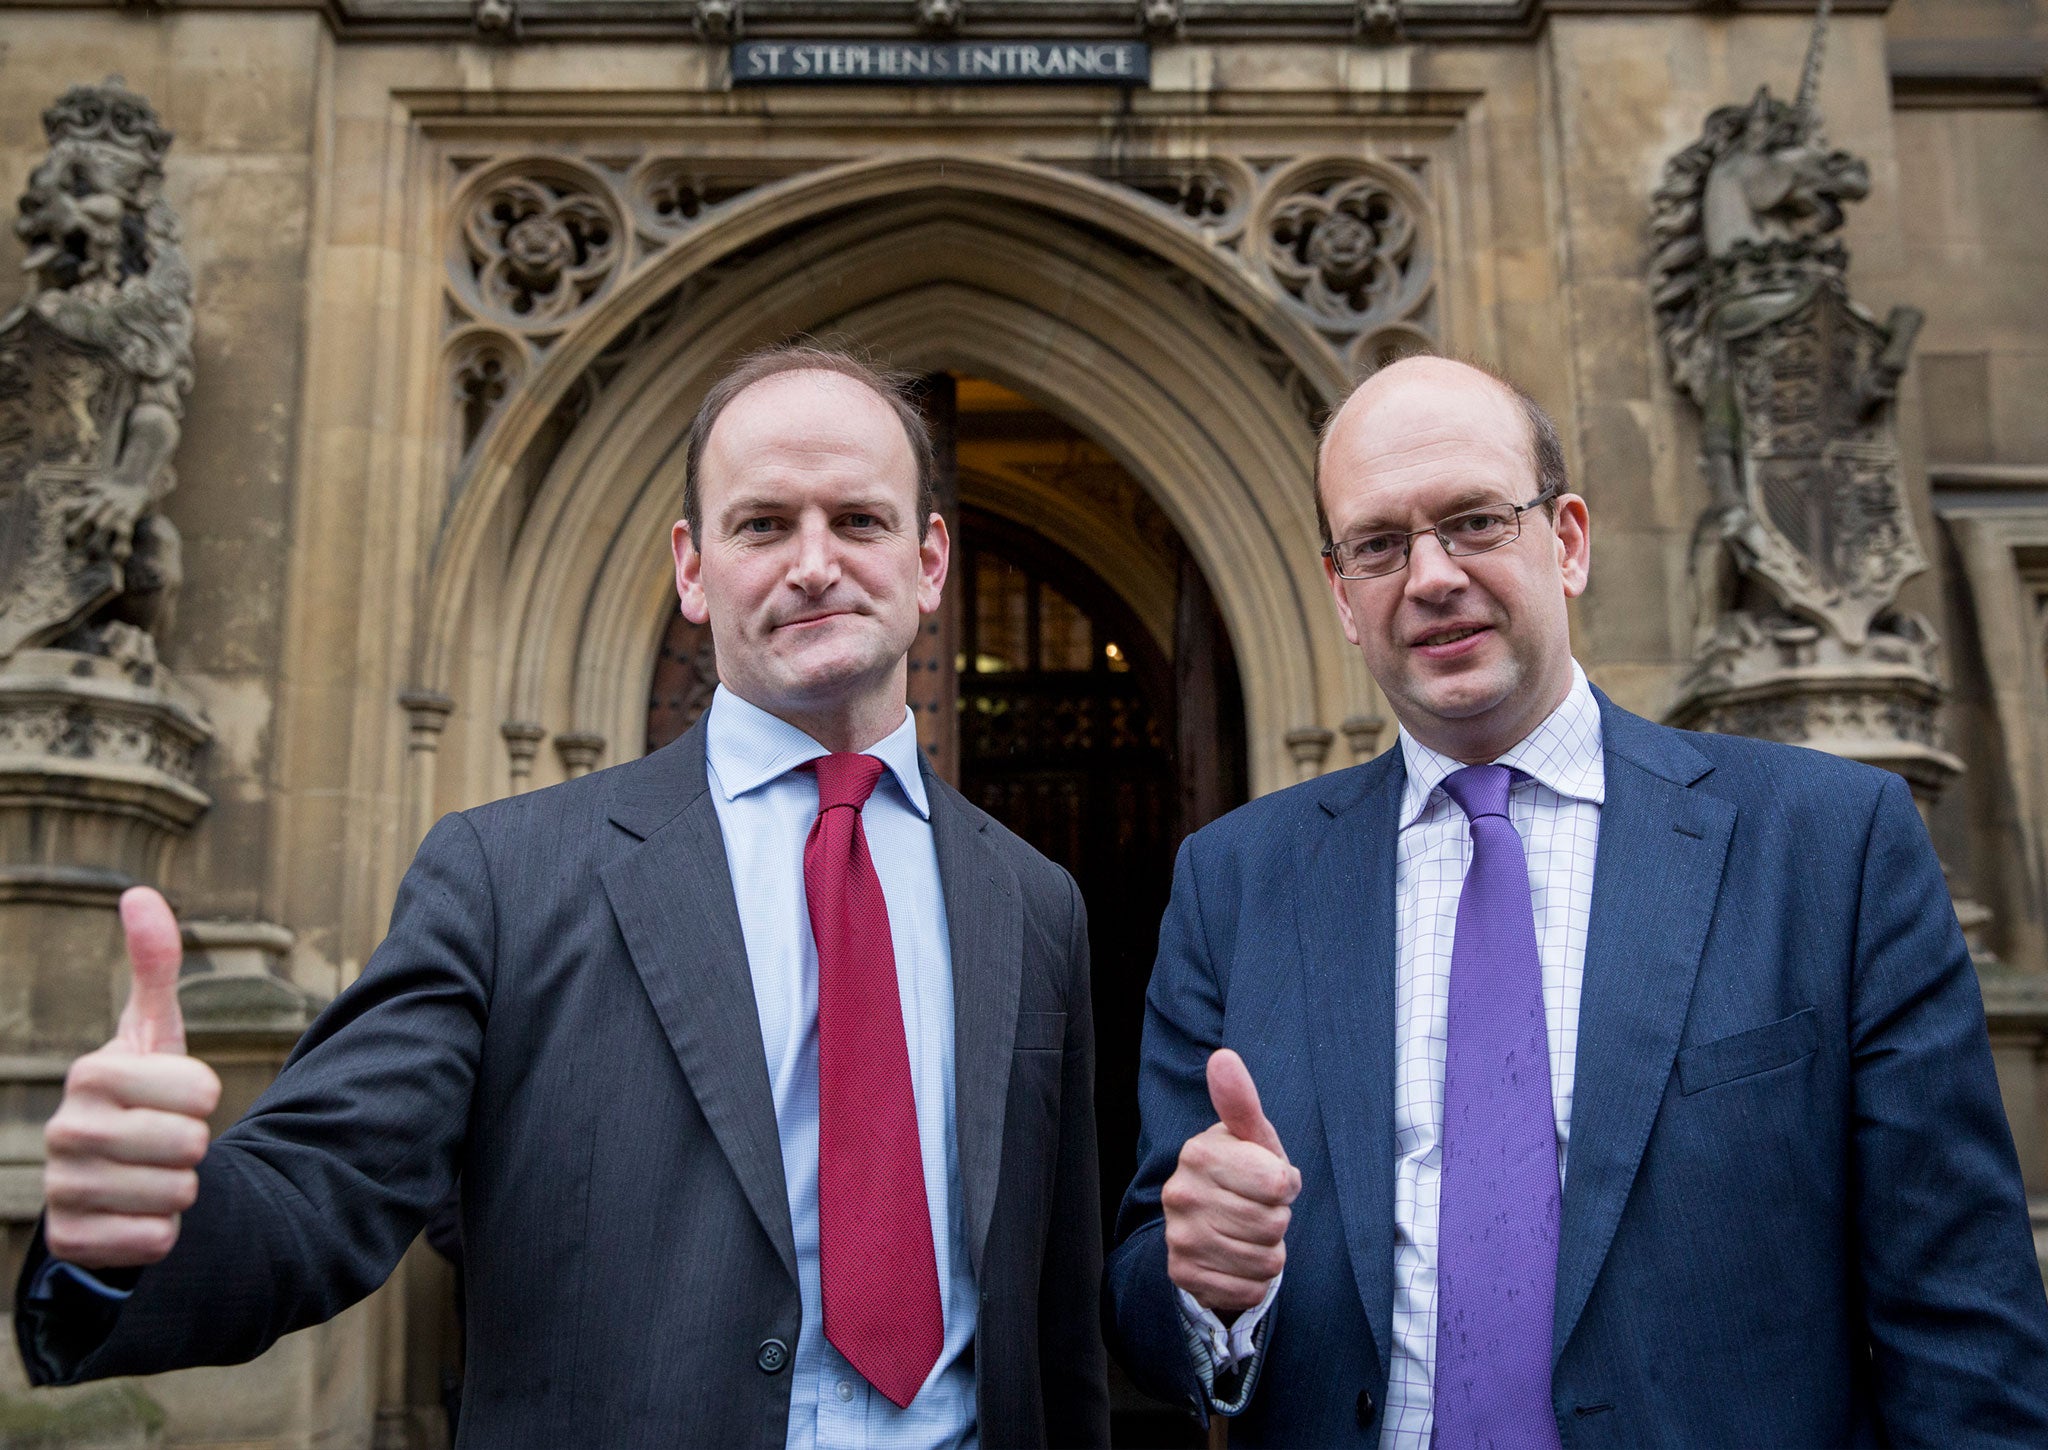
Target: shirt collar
1563,753
747,747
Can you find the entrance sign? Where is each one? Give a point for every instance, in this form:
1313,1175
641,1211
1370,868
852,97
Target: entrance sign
941,63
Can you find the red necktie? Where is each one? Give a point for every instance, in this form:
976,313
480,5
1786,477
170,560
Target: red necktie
881,1278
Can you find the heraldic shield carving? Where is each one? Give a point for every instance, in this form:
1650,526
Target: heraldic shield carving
1822,516
62,404
94,366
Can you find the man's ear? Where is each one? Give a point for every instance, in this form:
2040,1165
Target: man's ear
689,574
1574,543
1343,599
934,558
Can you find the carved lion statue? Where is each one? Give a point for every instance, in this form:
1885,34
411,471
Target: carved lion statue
106,274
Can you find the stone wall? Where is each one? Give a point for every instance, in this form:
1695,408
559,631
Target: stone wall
323,478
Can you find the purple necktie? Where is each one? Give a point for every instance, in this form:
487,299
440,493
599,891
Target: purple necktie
1497,1224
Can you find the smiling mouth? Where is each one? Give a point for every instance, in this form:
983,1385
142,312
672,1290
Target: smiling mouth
1451,636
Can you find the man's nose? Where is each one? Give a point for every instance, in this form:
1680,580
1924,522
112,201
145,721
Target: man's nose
815,567
1432,572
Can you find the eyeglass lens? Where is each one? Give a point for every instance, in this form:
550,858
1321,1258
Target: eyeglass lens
1472,532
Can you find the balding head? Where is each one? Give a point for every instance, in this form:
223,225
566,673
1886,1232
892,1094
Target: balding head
1438,469
1433,383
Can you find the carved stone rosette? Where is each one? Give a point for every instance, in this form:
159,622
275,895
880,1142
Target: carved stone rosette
1346,244
1798,559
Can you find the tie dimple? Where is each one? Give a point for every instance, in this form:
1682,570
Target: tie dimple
1479,790
846,780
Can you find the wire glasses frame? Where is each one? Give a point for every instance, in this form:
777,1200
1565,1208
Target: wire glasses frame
1471,531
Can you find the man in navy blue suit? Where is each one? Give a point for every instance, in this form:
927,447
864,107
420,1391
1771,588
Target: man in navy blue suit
1558,1077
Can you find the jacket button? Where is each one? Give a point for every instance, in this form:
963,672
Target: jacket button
1365,1409
772,1356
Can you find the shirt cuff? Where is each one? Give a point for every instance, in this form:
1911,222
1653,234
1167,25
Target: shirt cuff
1226,1359
64,1314
43,1288
1228,1348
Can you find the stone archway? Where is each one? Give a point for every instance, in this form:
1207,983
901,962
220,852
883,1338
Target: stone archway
564,536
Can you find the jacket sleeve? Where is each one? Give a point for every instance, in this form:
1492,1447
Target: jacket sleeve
1183,1025
306,1204
1071,1357
1957,1319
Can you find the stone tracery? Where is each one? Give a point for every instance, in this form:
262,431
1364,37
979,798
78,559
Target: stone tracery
541,245
1345,244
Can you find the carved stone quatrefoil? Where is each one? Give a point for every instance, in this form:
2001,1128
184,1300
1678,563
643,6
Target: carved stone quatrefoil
1344,251
540,246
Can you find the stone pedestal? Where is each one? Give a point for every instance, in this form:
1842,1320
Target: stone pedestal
1797,682
97,783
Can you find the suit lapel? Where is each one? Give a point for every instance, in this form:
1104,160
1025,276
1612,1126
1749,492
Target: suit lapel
1345,915
1662,849
985,928
672,896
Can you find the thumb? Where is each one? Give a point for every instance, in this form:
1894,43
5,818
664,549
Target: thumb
1236,1100
151,1021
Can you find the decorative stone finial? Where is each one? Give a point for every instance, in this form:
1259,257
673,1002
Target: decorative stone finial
1162,19
940,17
717,20
497,17
1378,21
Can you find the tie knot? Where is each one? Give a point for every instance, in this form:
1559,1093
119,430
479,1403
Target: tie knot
1480,790
846,779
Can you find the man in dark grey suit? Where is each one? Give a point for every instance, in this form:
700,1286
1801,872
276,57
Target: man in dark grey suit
810,1161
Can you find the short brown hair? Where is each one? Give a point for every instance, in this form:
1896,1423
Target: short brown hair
1545,446
897,389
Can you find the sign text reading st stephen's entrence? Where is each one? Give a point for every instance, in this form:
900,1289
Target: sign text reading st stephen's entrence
947,63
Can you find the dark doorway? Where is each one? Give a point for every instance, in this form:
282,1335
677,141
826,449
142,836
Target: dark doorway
1066,729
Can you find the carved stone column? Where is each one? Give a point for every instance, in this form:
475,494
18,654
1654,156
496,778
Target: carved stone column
522,743
580,751
426,713
1362,733
1309,747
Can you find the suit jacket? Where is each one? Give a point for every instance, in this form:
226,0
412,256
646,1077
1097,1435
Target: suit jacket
1793,1215
563,1014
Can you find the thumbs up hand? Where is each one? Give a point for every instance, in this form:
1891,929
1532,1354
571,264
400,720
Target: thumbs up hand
1227,1203
123,1145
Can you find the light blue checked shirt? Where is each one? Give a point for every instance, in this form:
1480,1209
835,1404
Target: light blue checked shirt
1555,807
765,807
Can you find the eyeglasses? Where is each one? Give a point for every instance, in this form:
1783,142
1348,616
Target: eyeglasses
1475,531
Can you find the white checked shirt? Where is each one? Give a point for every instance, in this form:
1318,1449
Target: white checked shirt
1556,811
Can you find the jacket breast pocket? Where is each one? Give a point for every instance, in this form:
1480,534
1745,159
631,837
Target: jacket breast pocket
1745,1054
1041,1031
